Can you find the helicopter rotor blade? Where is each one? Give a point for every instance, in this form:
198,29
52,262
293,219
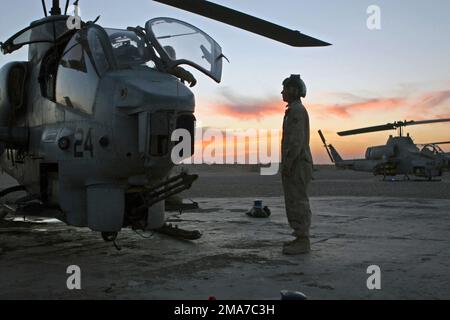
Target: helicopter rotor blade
435,143
246,22
389,126
414,123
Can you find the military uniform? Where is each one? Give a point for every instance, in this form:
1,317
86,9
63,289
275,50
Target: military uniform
297,168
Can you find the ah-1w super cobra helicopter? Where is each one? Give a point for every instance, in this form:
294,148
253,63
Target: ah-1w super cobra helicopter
400,155
86,123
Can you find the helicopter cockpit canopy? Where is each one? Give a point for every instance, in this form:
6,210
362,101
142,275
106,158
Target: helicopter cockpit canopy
181,43
46,30
176,42
431,149
129,48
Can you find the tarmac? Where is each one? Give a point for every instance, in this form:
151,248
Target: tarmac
239,257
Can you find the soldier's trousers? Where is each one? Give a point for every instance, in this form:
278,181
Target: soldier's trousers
295,185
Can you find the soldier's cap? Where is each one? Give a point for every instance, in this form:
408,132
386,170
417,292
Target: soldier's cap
293,80
296,82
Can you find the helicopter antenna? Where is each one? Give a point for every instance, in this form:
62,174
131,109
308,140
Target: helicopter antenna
45,8
400,129
56,9
67,7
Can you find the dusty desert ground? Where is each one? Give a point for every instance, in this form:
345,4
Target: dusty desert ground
358,221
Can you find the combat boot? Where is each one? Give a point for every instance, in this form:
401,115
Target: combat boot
297,246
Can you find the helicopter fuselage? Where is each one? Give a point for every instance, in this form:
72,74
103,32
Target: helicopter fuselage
400,156
96,130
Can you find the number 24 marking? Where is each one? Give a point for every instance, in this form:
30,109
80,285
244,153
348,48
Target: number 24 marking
79,148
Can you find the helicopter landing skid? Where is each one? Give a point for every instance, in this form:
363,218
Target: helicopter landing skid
173,231
408,179
5,207
180,207
28,205
394,179
34,209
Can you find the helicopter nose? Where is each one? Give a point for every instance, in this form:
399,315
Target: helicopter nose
150,106
151,91
156,130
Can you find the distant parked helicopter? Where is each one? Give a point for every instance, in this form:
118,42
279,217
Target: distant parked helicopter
400,155
86,123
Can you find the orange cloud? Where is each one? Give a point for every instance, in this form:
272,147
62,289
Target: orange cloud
233,105
430,105
245,108
255,110
431,100
270,107
346,110
424,106
443,116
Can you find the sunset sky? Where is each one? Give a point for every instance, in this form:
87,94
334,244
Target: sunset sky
368,77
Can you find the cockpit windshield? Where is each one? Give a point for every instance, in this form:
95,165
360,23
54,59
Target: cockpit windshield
46,30
182,43
129,49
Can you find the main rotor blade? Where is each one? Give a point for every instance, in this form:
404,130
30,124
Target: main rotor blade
389,126
414,123
436,143
246,22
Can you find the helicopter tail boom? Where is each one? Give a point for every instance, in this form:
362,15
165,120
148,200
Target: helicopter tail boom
336,156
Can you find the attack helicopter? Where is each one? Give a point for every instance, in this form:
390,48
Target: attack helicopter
86,123
400,155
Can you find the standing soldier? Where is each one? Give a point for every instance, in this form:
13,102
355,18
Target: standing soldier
296,165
